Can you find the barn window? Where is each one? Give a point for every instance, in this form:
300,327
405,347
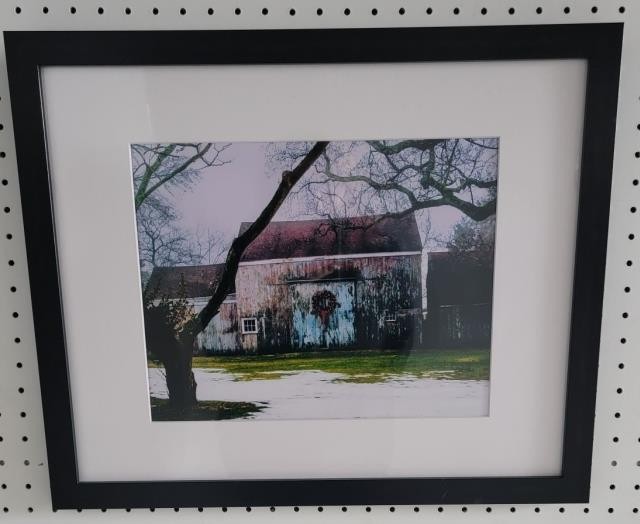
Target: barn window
389,317
249,325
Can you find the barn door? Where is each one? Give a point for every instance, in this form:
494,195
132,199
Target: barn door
323,315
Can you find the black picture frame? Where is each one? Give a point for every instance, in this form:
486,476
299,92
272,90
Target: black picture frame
599,44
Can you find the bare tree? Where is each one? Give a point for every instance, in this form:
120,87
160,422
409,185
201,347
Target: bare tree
162,243
170,166
209,246
171,335
398,177
162,168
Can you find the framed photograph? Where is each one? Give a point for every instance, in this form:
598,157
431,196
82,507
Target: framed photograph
317,267
321,311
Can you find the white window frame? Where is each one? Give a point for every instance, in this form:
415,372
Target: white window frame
246,331
390,317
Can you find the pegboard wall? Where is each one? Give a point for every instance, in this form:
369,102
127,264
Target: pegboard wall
615,484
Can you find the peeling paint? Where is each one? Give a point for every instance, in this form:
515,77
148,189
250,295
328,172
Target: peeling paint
222,333
367,288
312,330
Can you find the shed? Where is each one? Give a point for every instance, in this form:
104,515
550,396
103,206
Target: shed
459,299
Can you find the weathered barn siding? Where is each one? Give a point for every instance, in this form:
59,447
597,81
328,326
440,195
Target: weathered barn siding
222,334
326,325
385,306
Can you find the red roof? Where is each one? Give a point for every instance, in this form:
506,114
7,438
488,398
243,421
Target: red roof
199,281
346,236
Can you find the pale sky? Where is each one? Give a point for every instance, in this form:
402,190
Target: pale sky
225,196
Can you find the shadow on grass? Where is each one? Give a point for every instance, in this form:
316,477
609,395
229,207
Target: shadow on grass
203,410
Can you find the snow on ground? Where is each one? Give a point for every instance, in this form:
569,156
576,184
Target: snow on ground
321,395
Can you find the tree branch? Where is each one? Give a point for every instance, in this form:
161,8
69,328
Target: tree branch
141,193
471,141
393,149
241,242
448,196
145,194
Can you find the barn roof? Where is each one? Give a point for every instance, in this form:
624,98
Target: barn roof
198,280
345,236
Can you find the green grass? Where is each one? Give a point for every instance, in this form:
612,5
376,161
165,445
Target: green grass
204,410
356,366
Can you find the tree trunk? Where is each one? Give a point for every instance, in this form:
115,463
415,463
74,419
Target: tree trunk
181,384
176,357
